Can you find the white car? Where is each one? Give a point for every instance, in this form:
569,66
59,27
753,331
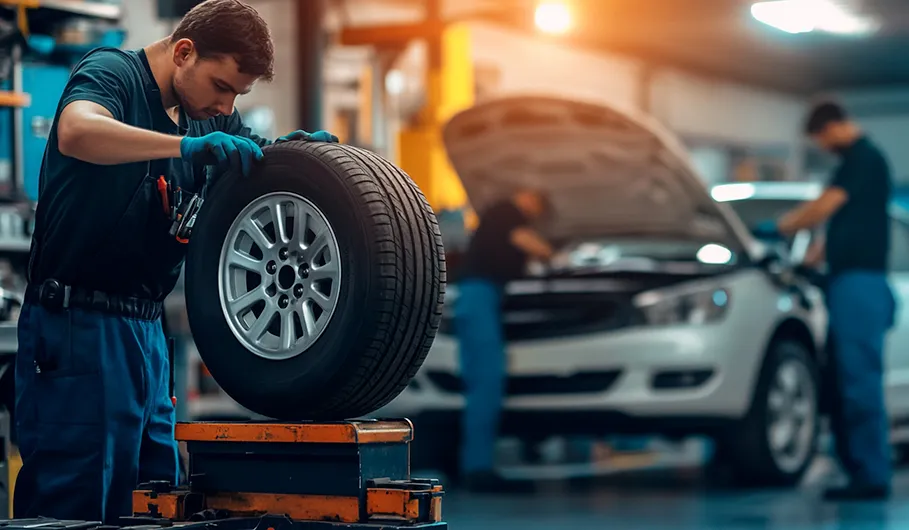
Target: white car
754,202
665,315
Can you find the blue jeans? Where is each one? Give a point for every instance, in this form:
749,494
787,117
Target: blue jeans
94,413
478,321
861,307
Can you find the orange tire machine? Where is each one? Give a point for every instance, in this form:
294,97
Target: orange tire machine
353,475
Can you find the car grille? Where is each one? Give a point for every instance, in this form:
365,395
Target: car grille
555,315
526,385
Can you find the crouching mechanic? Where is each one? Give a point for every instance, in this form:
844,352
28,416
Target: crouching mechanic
93,407
859,299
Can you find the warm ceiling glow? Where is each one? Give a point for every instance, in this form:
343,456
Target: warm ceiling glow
553,17
803,16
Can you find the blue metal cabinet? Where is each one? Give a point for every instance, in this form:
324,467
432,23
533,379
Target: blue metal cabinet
45,83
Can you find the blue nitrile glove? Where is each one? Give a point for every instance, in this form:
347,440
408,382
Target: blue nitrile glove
222,150
318,136
767,229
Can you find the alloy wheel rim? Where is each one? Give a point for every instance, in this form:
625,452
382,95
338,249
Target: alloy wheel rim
792,415
279,275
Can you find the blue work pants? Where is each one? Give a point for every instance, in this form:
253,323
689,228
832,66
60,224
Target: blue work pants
478,321
861,307
94,413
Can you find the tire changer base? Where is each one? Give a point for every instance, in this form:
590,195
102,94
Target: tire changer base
352,475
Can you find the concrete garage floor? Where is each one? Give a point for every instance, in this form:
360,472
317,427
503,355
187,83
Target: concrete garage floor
679,500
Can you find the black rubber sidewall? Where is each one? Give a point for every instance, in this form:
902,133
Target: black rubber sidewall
750,445
246,377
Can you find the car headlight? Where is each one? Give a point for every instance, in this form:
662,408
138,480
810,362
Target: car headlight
702,306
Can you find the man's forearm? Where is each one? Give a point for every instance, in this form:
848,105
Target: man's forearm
798,219
814,213
102,140
531,243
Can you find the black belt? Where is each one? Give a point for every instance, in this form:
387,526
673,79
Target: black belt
54,296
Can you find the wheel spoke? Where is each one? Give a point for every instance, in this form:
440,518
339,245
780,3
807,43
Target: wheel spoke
780,435
260,326
309,320
329,271
243,261
301,223
245,301
801,409
788,378
280,221
288,333
775,400
318,297
320,242
253,230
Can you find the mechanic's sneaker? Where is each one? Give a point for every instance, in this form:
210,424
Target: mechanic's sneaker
492,482
855,492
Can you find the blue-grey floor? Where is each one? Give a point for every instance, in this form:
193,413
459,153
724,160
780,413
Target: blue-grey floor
672,500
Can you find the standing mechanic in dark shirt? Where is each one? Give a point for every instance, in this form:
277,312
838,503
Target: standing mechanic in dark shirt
861,304
498,252
94,413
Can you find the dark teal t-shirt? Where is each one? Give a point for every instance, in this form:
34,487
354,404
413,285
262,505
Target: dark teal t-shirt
104,227
858,235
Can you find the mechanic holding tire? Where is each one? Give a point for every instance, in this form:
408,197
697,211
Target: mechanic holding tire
94,410
859,298
498,252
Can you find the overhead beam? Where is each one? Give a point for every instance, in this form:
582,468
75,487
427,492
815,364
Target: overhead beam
390,34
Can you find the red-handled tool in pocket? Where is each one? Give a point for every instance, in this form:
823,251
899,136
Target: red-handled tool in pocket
165,195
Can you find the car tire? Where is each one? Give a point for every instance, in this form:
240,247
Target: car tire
776,442
344,310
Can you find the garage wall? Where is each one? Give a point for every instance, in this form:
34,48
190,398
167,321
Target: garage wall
696,108
517,63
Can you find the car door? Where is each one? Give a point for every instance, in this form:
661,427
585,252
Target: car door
897,345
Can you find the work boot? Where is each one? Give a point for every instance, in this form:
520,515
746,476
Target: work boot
857,492
492,482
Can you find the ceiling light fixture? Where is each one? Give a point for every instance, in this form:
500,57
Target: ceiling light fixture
553,17
803,16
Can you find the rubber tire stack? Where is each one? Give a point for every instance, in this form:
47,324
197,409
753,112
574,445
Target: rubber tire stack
392,285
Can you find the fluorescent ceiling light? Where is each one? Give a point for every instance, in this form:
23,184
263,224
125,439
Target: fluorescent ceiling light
803,16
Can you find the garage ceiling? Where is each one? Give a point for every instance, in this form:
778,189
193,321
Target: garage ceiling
720,38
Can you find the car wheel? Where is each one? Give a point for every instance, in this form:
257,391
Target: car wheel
777,441
314,288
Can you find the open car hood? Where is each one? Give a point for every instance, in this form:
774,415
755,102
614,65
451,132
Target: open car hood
608,173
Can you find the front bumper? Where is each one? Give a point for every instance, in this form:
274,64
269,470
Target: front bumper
684,371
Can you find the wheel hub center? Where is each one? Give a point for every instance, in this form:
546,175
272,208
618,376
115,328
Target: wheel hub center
286,277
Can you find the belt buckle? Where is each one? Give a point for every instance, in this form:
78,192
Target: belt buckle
54,295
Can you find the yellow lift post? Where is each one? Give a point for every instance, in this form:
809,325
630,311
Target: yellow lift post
449,89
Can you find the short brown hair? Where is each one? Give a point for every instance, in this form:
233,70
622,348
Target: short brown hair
230,27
